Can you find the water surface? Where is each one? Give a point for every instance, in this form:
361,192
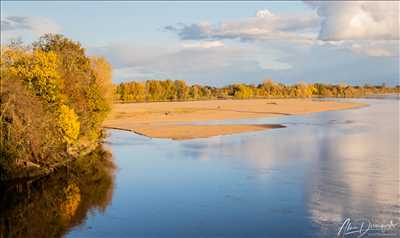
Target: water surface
299,181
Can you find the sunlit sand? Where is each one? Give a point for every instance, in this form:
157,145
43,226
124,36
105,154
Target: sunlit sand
174,120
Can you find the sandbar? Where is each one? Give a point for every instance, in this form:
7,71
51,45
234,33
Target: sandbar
179,120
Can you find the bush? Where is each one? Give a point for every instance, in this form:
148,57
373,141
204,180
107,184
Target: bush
53,98
69,124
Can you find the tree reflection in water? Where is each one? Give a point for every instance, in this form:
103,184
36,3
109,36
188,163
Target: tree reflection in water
50,206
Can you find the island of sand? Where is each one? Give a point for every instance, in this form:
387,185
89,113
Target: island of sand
182,120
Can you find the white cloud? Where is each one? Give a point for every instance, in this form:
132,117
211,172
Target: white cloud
139,63
203,44
128,54
264,13
328,62
363,27
263,26
376,48
37,25
312,47
358,20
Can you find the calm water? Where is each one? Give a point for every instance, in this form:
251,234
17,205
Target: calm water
300,181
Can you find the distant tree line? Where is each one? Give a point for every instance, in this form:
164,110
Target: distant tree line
53,101
178,90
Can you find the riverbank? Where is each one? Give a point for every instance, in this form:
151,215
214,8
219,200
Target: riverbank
174,120
24,170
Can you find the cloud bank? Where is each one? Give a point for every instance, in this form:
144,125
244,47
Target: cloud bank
332,42
358,20
263,26
203,45
196,62
38,25
363,27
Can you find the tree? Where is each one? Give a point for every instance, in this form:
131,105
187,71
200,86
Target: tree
53,99
38,69
194,92
69,124
83,81
154,90
181,89
242,91
103,75
169,90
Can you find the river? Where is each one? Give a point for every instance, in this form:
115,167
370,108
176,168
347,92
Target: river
304,180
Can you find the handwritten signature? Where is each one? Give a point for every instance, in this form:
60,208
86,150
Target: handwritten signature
366,227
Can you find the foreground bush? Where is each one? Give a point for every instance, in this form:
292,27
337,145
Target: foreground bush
53,101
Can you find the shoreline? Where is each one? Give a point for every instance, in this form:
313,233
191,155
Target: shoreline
173,120
178,132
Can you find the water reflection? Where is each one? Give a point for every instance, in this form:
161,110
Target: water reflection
357,173
346,164
50,206
299,181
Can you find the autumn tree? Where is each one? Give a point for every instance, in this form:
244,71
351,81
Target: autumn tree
169,90
83,79
53,99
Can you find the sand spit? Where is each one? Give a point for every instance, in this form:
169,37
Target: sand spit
172,119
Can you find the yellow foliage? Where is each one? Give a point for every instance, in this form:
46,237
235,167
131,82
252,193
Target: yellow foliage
73,198
103,74
44,70
68,123
242,91
38,68
55,98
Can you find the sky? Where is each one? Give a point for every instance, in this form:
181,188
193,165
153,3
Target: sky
219,43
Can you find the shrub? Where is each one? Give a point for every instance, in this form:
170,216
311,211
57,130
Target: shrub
68,123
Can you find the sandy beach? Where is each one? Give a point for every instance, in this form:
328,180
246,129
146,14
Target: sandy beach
174,119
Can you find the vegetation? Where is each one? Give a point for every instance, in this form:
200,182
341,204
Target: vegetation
178,90
53,101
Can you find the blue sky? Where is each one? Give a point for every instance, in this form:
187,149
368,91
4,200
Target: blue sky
218,43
